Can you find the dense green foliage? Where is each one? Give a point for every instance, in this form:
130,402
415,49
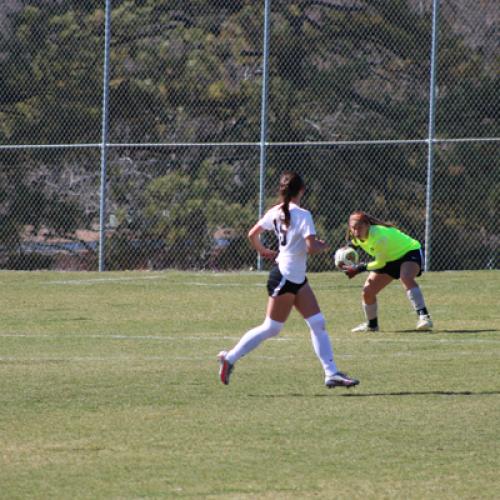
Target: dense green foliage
190,71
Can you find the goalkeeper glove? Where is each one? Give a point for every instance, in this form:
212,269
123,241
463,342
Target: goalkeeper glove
355,269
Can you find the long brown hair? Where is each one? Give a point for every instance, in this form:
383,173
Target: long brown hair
367,219
290,185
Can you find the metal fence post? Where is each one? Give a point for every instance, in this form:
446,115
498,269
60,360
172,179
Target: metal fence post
104,140
264,113
430,139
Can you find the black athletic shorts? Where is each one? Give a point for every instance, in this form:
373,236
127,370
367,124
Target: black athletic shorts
278,285
393,268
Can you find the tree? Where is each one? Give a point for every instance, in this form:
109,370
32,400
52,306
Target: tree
190,71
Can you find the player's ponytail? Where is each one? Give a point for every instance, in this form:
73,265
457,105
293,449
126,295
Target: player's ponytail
290,185
286,210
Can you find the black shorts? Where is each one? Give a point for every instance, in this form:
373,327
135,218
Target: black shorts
278,285
393,268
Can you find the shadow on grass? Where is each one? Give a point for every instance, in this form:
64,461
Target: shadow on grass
378,394
469,331
422,393
462,331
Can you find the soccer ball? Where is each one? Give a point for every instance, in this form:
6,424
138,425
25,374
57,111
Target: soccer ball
346,256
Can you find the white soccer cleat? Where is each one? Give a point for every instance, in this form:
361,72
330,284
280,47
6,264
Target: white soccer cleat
340,379
225,367
424,323
364,327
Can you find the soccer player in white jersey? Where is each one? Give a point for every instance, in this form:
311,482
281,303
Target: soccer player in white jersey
287,284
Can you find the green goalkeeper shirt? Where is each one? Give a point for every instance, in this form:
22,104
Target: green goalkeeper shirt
386,244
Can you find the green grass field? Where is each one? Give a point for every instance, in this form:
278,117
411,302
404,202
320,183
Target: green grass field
109,389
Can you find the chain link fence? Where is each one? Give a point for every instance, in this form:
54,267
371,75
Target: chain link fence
348,107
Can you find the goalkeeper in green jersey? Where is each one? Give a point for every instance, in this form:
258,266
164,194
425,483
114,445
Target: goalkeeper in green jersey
396,256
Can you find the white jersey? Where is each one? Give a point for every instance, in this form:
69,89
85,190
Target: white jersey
292,257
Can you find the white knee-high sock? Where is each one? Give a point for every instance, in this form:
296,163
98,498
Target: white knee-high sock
253,338
321,343
370,311
416,298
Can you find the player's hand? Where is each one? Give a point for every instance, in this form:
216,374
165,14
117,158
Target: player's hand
324,246
315,245
353,270
267,253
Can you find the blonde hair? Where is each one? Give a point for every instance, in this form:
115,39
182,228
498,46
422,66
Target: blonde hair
367,219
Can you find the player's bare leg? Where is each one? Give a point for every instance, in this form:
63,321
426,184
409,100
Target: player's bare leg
279,308
373,285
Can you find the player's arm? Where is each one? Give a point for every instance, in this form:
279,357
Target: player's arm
254,237
380,248
380,257
314,245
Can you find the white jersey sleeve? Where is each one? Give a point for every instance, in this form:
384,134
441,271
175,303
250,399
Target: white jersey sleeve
267,220
307,225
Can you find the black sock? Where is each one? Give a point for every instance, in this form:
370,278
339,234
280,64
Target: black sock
423,311
373,323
